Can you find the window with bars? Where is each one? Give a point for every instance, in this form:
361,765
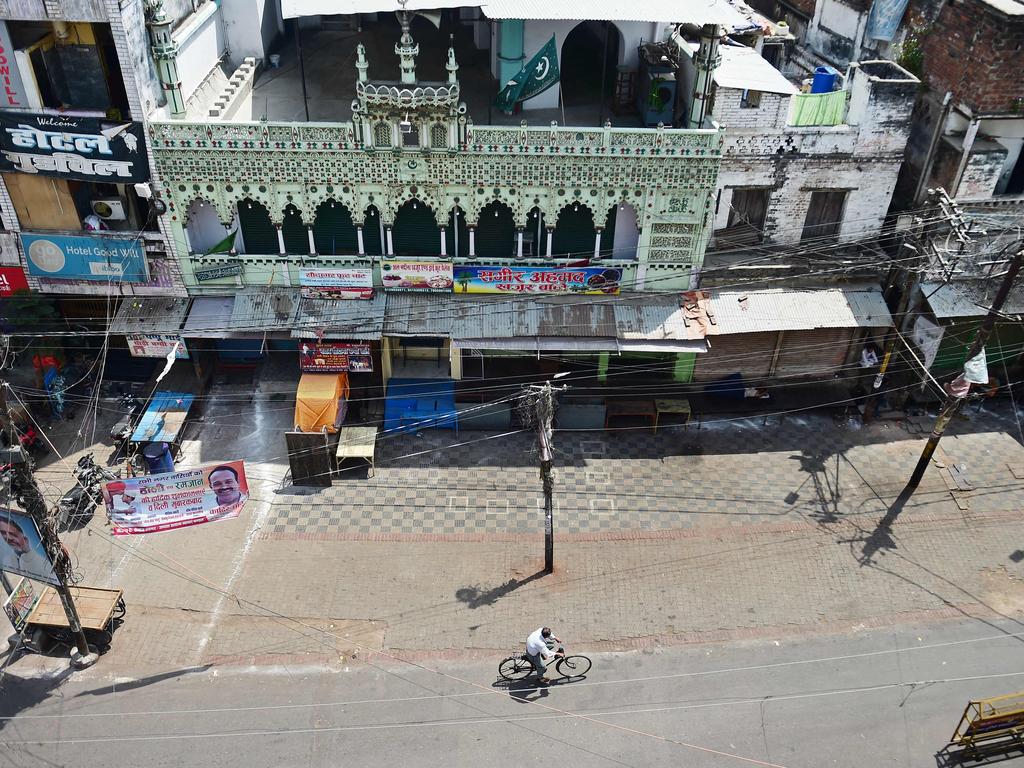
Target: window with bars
439,136
382,135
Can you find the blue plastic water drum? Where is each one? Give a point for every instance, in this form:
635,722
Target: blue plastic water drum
824,79
158,458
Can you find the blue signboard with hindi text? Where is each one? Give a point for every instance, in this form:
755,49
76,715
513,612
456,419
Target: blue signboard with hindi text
69,257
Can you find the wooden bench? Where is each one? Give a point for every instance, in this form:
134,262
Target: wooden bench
631,409
676,409
357,443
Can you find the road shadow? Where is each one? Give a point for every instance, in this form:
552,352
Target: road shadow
142,682
948,758
523,691
477,597
18,694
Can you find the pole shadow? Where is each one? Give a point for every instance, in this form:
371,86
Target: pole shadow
477,597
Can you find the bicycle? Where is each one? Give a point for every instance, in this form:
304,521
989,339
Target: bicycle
518,667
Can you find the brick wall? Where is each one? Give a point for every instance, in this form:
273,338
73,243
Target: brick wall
978,54
771,113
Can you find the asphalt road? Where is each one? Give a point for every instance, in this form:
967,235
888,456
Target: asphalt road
869,698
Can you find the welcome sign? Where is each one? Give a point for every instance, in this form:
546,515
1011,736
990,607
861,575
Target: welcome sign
68,147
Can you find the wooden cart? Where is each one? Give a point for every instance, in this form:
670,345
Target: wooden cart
100,611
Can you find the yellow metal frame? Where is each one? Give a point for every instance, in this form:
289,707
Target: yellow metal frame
985,720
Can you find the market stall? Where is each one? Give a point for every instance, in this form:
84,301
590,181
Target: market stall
160,429
321,402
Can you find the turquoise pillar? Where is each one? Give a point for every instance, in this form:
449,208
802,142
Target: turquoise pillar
510,50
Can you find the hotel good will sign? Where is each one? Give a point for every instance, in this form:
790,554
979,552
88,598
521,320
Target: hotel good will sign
81,148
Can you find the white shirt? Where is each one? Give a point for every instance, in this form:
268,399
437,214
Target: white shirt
30,564
535,644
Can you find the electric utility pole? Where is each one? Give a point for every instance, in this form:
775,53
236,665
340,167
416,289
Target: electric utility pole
537,409
958,390
25,489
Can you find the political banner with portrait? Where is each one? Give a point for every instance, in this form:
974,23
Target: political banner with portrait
21,548
165,502
20,603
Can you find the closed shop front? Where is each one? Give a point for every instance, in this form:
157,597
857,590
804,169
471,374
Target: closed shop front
817,353
748,354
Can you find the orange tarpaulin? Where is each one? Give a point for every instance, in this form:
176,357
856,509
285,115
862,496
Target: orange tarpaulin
321,401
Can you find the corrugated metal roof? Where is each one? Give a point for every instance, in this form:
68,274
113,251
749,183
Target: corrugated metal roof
786,310
342,319
691,11
661,316
969,298
634,316
149,315
418,314
209,317
264,309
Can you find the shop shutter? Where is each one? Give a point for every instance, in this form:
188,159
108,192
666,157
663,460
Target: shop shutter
371,233
574,233
416,232
293,230
257,230
748,354
496,234
457,236
816,354
333,230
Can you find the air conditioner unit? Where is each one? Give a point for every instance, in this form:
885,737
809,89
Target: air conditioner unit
405,126
109,208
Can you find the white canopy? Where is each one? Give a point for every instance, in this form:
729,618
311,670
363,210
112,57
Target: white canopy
689,11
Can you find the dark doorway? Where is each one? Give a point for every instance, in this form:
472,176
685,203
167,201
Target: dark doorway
416,232
590,58
824,215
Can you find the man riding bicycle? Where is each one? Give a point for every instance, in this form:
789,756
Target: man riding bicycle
540,649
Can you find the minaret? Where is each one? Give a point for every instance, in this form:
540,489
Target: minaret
406,49
452,66
165,53
362,65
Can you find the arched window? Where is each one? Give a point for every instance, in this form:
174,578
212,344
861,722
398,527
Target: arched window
458,234
620,237
416,232
382,135
373,235
496,232
574,232
205,229
296,238
258,232
333,230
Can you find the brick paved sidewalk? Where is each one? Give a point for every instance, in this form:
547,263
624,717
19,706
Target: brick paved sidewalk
740,529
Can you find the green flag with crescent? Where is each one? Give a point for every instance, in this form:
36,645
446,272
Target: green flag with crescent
536,76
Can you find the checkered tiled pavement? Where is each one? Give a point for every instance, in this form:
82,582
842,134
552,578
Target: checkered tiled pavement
732,472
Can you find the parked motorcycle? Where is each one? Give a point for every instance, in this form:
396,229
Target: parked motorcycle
81,501
122,430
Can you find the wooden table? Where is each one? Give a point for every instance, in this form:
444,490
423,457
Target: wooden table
679,408
357,443
95,607
641,409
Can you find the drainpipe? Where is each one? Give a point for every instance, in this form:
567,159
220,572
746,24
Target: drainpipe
969,137
165,53
706,60
929,158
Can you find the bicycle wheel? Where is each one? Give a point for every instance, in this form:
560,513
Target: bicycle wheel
573,666
514,668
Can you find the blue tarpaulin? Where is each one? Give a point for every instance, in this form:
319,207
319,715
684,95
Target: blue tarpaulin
164,417
415,404
884,19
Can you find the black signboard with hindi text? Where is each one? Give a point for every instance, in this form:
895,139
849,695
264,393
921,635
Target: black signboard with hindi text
69,147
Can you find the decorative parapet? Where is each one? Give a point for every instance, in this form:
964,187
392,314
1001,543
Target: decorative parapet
395,96
555,140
